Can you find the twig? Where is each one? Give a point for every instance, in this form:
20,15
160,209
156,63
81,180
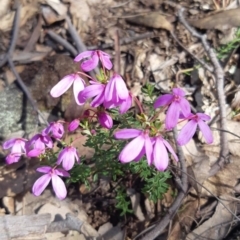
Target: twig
14,34
79,43
117,63
25,89
124,41
158,229
63,42
219,74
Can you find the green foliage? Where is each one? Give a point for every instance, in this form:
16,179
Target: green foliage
123,202
154,182
224,50
107,149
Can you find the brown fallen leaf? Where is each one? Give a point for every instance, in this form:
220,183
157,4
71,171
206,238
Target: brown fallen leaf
154,20
219,20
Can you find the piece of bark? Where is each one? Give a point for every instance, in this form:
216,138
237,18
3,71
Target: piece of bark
24,227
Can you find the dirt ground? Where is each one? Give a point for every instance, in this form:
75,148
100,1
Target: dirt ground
148,43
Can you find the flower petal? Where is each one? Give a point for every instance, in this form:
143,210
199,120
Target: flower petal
187,132
160,155
73,125
178,92
59,187
62,86
9,143
12,158
83,55
35,152
90,64
127,133
185,107
61,172
149,150
78,86
203,116
206,131
44,169
125,105
121,87
132,149
98,100
105,60
172,116
163,100
170,149
41,184
68,160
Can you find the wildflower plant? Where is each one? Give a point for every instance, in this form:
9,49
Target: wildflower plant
125,144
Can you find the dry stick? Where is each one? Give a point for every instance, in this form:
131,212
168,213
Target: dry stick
63,42
14,35
159,228
79,43
117,62
219,74
125,40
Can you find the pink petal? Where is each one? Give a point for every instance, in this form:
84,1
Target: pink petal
73,125
185,107
163,100
172,116
105,120
17,148
44,169
187,132
127,133
68,160
160,155
61,155
121,87
59,187
78,86
98,100
125,105
140,155
41,184
170,149
148,150
105,59
203,116
83,55
35,152
178,92
62,86
90,64
132,149
62,173
12,158
9,143
206,131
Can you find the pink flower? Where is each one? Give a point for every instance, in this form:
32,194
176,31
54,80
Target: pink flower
190,128
38,144
57,183
63,85
55,129
160,154
96,90
18,146
105,120
68,156
125,105
73,125
140,145
116,92
92,62
177,104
